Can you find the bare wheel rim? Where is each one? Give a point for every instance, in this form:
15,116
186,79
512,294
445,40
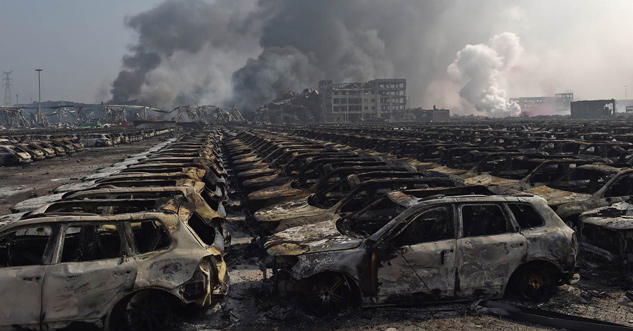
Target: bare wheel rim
328,293
536,284
148,311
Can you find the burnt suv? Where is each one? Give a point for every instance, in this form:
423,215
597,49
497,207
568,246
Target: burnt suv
416,246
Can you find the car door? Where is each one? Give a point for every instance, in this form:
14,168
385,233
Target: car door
489,249
418,259
23,258
91,271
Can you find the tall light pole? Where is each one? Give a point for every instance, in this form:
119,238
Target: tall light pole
39,91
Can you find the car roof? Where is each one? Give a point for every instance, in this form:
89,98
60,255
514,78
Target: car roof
184,188
170,219
408,199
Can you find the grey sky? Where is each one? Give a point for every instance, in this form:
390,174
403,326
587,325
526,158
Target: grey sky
78,44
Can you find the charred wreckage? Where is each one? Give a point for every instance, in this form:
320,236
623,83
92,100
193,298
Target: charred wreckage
353,215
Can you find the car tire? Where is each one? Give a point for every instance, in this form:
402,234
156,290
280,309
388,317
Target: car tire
149,310
535,282
327,294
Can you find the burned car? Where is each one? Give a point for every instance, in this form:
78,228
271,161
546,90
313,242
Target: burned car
586,187
346,196
413,246
117,272
607,233
13,155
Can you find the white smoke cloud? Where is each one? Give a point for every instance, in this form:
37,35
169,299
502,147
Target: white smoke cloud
481,70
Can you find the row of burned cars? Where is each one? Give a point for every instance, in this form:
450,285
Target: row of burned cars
380,217
18,148
123,248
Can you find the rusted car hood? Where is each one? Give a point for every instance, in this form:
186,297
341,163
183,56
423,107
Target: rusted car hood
285,190
449,171
260,179
288,210
312,238
256,172
557,197
488,179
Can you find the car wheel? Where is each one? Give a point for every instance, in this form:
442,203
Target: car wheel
535,283
327,294
148,310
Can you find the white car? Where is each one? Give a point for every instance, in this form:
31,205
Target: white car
116,272
96,140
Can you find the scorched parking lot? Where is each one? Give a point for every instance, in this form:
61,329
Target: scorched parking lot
241,227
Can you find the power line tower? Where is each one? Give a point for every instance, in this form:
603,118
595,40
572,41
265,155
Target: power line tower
6,81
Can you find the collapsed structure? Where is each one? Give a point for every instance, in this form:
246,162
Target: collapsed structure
291,107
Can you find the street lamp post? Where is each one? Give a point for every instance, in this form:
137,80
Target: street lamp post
39,91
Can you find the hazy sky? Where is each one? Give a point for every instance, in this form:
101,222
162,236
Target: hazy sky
78,44
579,45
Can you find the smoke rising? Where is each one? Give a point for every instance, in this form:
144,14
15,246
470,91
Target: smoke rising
481,71
248,52
186,52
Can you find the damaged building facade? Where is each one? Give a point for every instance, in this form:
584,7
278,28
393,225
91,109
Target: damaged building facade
355,102
592,109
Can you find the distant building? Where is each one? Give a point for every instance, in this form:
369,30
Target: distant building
592,109
354,102
559,104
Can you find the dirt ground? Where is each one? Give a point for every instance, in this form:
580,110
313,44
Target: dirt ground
19,183
253,305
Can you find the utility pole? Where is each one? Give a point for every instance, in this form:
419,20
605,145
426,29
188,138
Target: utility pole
625,91
6,80
39,91
17,99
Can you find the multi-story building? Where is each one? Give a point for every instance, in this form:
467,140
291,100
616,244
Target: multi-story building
354,102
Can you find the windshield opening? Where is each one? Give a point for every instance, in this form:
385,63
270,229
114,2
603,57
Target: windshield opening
517,169
586,181
370,219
